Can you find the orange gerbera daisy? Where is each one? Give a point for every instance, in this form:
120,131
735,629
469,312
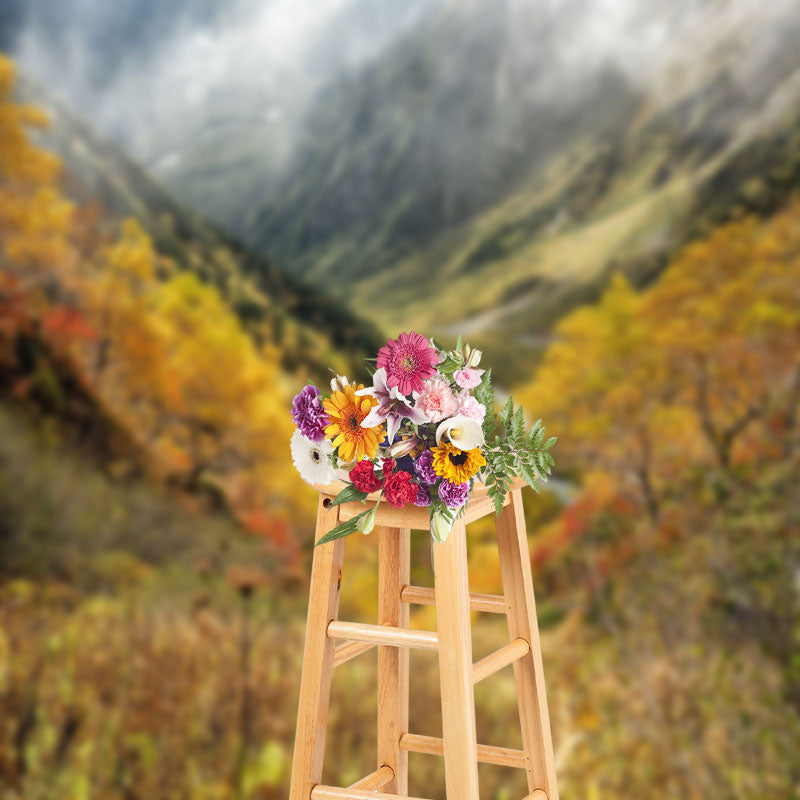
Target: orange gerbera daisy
346,412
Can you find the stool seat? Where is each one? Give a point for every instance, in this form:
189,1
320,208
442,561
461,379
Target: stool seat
413,517
452,641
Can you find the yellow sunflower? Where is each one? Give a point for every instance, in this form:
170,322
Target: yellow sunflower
457,466
346,412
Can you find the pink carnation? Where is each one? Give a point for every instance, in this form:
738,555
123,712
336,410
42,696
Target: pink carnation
468,406
437,400
468,377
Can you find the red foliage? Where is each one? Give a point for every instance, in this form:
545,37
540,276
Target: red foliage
67,324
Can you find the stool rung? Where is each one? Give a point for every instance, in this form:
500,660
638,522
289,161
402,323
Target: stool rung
487,754
537,794
320,792
420,595
344,652
506,655
375,780
383,634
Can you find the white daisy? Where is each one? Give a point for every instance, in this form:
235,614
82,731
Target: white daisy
312,459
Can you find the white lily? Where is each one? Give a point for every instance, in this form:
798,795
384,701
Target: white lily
463,432
392,407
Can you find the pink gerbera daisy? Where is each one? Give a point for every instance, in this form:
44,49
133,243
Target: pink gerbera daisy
409,360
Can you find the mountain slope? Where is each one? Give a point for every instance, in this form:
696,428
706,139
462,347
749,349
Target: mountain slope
490,170
312,331
457,193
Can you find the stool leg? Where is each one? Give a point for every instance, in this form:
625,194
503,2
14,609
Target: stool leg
315,683
455,666
512,543
394,572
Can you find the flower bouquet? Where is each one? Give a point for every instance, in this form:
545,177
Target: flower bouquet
422,434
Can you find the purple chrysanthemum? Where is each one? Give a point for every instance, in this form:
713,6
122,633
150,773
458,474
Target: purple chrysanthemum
423,466
453,495
423,496
309,415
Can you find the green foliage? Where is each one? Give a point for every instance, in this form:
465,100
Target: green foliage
348,495
509,450
345,528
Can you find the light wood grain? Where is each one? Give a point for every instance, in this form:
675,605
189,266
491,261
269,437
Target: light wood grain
315,682
421,595
411,516
383,634
344,652
379,779
393,637
479,507
494,662
332,793
394,572
528,671
455,665
487,754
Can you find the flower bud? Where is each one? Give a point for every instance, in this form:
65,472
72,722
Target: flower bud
339,382
366,522
440,527
404,447
474,358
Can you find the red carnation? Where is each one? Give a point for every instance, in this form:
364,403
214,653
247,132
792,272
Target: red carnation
364,478
399,490
388,467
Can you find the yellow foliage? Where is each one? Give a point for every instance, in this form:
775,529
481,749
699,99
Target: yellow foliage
161,350
692,370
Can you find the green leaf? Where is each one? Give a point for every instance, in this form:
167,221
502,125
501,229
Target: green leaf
518,424
343,529
348,495
508,410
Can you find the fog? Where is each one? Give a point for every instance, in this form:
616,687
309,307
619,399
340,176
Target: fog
151,74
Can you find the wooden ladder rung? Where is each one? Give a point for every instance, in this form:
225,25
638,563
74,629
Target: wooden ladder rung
537,794
487,754
375,780
383,634
344,652
506,655
420,595
320,792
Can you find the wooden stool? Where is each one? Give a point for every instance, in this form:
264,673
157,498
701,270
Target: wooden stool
453,641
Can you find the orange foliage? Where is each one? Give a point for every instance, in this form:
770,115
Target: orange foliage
160,350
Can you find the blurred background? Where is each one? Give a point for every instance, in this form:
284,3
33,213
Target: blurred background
203,205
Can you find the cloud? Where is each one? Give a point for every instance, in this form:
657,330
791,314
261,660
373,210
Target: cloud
143,70
154,75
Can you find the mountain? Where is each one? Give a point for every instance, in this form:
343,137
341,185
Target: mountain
452,165
312,331
483,176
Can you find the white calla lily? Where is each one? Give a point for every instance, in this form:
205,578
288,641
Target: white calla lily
461,431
